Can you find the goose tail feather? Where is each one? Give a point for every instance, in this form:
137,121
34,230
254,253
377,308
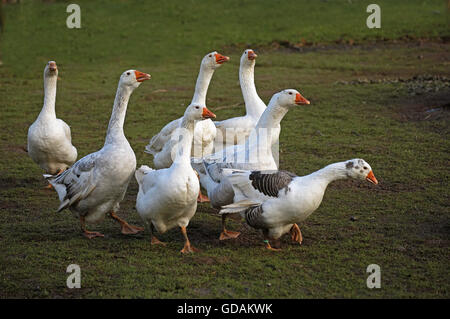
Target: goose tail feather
238,207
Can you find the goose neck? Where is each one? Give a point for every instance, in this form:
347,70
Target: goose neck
201,87
272,116
48,110
254,106
115,127
184,137
331,173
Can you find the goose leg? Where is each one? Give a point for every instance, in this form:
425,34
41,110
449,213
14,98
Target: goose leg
154,240
187,245
87,233
201,198
227,234
267,243
296,234
127,229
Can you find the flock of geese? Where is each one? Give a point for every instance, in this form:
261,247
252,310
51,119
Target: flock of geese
269,199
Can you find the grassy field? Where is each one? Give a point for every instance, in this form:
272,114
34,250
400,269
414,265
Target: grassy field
382,95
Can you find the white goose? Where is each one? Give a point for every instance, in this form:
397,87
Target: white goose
237,129
205,131
167,197
275,201
96,184
254,154
49,139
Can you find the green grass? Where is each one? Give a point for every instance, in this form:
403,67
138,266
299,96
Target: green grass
402,224
124,33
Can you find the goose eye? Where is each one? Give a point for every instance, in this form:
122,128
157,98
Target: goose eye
365,167
210,55
128,73
290,93
197,107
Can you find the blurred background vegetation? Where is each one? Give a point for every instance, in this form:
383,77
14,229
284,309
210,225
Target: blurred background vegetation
159,31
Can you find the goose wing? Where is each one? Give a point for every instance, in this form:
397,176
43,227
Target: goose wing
158,141
76,183
258,186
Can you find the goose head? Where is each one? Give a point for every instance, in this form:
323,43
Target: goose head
195,112
248,57
360,169
133,78
290,97
51,70
213,60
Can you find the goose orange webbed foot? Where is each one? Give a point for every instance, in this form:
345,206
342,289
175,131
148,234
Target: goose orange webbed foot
92,234
188,248
86,233
202,198
269,247
156,241
228,234
296,234
127,229
187,244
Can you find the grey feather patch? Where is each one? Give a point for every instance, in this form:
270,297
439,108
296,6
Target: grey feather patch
71,189
349,165
215,170
270,184
253,216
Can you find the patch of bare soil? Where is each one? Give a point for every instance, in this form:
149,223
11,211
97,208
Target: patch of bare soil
305,46
427,96
424,107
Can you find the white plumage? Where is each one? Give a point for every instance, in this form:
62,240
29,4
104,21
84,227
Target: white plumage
96,184
276,201
255,154
237,129
49,138
205,131
167,197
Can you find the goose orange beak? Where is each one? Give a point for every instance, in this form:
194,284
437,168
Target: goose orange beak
251,55
299,99
141,76
207,114
221,58
371,178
